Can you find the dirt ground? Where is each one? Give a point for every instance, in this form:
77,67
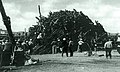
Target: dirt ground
78,63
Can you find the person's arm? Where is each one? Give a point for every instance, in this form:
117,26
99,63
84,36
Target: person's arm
15,48
105,45
82,42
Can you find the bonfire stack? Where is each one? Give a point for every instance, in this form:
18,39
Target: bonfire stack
65,22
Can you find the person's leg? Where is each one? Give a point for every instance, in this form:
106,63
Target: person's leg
110,53
66,51
71,52
0,59
89,52
106,53
78,49
62,51
53,49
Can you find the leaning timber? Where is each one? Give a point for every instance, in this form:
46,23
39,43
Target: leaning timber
7,23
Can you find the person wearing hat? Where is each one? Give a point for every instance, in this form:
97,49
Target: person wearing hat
64,47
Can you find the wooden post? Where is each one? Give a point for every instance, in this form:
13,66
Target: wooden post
7,23
39,11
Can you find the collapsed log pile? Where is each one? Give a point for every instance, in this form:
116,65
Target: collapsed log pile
65,23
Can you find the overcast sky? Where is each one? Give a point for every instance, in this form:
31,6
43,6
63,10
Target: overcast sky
23,12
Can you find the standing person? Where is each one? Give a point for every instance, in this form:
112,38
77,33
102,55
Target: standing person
6,54
54,46
89,49
31,45
39,39
80,42
0,53
58,45
70,45
65,47
95,46
26,47
108,48
19,58
1,48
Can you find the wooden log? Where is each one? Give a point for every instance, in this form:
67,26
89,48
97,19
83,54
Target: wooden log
7,23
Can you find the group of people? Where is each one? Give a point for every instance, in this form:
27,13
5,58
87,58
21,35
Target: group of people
17,55
67,46
64,45
20,54
84,46
108,46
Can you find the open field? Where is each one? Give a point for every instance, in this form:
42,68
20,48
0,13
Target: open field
78,63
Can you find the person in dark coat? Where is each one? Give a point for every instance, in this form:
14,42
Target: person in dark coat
58,45
22,56
54,46
70,45
65,47
6,54
0,53
19,58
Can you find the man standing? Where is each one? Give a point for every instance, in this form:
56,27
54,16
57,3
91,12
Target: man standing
31,46
108,48
70,45
80,42
54,46
0,53
65,47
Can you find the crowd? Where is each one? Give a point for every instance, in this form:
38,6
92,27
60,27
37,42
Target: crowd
65,45
62,46
19,55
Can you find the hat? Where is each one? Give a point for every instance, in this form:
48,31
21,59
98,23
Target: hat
80,38
64,38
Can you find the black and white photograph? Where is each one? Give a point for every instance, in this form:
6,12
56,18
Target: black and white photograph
59,35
